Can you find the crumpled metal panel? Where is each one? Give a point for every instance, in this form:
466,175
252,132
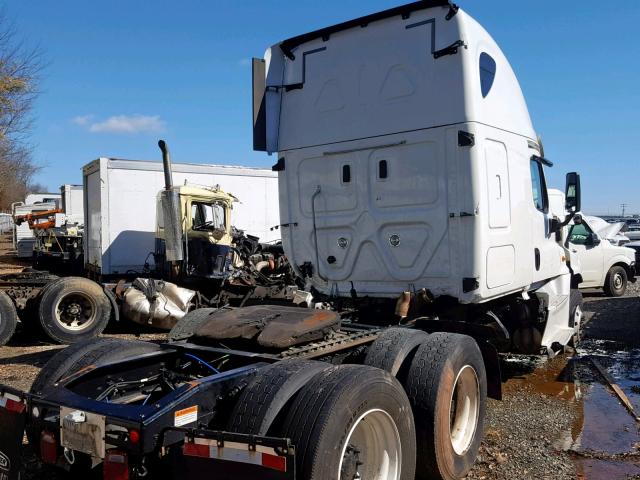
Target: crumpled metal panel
157,303
271,326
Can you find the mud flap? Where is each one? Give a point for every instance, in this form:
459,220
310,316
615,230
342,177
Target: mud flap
12,420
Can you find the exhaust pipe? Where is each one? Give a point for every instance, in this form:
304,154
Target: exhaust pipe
166,163
171,211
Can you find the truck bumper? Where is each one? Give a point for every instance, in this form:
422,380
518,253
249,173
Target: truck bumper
205,454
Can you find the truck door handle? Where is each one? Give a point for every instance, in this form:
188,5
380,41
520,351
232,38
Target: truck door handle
537,257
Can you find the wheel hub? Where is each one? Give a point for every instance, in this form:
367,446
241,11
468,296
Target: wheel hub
350,464
73,310
464,409
373,449
76,311
617,281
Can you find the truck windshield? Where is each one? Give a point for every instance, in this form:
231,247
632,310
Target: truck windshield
207,216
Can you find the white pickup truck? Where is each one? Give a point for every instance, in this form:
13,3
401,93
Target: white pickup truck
604,264
593,245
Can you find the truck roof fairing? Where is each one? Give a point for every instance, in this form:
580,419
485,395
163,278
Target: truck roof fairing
404,10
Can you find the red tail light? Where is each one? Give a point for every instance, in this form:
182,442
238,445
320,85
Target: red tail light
134,436
48,448
115,466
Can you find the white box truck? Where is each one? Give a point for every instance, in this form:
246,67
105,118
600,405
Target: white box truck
120,198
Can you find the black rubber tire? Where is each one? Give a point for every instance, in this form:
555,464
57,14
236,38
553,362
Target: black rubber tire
610,288
429,385
188,324
60,289
88,352
268,394
393,347
325,410
8,318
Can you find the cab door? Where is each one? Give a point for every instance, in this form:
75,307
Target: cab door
581,241
547,255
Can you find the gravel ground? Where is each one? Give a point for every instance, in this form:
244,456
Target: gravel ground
556,420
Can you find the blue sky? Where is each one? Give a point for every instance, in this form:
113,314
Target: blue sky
123,73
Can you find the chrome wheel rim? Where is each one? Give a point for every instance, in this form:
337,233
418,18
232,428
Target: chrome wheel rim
76,311
464,409
373,449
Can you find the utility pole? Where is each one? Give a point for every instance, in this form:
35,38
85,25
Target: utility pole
624,207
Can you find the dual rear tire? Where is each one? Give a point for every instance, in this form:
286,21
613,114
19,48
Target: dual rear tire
346,422
418,401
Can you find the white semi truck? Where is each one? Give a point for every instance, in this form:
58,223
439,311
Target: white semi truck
412,192
408,163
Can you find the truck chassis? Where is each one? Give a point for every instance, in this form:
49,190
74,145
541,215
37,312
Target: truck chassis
164,411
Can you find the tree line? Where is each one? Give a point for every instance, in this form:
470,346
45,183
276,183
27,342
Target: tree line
20,67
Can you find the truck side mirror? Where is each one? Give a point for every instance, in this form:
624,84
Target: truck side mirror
572,193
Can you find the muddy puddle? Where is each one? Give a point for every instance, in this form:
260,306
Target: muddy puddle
604,438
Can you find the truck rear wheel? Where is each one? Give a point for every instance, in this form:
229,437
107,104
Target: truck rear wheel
352,421
268,394
616,282
393,347
72,309
447,386
8,318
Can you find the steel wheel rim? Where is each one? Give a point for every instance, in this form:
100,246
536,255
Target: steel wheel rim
373,449
464,409
617,281
76,311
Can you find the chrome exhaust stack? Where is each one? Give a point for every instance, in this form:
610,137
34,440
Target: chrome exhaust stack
171,211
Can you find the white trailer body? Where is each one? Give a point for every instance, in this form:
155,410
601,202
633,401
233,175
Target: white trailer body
34,198
120,198
73,203
408,160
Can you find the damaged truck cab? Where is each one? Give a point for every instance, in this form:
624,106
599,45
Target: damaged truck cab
205,220
408,162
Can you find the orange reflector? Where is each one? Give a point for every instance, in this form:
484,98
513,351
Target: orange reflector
196,450
11,405
275,462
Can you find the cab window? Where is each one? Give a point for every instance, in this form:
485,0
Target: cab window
539,187
579,234
207,216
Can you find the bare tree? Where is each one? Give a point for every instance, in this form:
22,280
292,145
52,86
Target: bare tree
20,67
